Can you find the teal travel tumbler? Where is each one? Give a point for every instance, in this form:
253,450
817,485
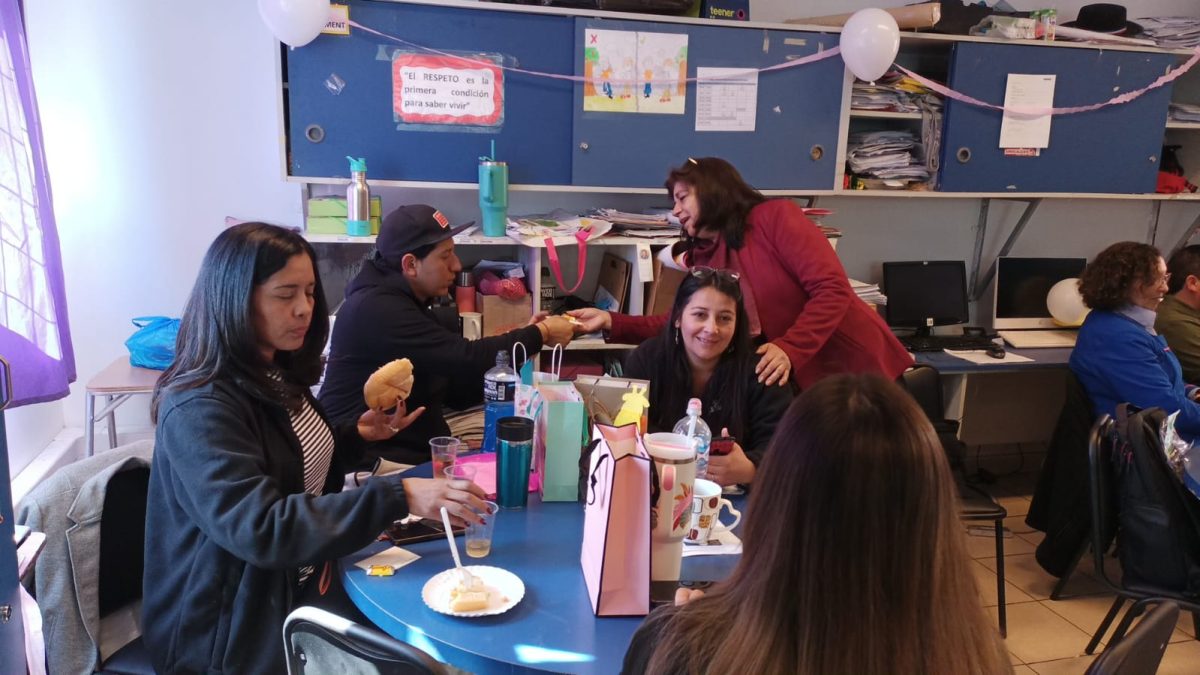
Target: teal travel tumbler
514,450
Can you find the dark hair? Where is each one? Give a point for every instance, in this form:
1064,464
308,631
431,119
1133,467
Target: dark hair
730,376
421,252
1108,281
1185,263
216,336
854,560
724,198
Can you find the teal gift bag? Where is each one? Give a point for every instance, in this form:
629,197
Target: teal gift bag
558,438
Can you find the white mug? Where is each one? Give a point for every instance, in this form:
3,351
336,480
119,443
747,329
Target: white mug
472,325
706,511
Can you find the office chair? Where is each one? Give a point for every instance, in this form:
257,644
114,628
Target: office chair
1140,652
1101,477
924,383
316,641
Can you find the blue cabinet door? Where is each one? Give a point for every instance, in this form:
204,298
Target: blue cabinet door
1112,150
340,96
796,113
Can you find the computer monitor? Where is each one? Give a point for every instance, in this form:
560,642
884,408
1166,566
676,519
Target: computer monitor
1022,284
925,293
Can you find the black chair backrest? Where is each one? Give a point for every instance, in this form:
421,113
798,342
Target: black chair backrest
924,383
122,539
1100,482
317,645
1140,652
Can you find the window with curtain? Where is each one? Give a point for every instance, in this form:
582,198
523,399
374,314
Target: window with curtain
34,334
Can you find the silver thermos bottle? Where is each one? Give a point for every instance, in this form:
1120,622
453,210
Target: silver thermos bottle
358,200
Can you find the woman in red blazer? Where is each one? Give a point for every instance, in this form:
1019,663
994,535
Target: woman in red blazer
810,322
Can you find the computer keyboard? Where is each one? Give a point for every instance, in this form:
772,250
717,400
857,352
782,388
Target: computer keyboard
936,343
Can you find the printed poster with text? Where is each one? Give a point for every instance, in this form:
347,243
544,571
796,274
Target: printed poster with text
446,90
634,72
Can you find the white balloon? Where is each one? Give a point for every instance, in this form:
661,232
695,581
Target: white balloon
870,40
294,22
1066,304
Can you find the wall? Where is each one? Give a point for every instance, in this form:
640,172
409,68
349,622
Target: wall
161,120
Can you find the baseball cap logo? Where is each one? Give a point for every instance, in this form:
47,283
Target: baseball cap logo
441,220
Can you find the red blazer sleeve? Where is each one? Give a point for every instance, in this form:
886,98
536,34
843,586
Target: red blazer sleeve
635,329
813,264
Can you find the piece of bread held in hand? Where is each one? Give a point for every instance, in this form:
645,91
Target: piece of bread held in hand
389,385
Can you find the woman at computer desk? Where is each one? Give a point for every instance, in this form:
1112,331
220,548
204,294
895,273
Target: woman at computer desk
704,352
1118,356
799,302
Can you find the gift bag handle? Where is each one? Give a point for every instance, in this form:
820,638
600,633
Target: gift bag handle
524,356
593,480
581,238
556,359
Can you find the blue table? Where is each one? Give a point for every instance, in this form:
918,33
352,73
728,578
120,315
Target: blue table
551,630
1054,357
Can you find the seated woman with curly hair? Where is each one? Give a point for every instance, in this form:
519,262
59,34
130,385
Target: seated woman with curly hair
1118,357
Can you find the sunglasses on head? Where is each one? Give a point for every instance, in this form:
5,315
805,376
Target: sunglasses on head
703,273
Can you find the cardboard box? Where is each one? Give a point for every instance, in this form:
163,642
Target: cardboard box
500,315
729,10
662,289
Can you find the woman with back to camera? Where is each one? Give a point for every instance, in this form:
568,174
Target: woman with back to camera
854,560
704,352
1118,356
797,295
243,503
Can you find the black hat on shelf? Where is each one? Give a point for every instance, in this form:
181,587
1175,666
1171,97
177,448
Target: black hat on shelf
1104,17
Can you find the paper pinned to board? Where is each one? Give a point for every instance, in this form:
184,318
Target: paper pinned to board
1020,130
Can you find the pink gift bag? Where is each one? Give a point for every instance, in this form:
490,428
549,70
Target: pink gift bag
616,524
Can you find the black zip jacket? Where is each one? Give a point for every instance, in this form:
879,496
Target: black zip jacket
228,525
382,321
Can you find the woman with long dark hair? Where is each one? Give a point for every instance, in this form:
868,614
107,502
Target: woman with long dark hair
704,352
244,502
853,561
806,320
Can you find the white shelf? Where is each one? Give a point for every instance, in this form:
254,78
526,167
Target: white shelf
884,114
1193,126
479,240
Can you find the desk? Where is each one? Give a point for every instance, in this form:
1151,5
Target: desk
551,629
1003,403
116,384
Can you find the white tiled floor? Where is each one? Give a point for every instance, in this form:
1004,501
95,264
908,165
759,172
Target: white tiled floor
1047,637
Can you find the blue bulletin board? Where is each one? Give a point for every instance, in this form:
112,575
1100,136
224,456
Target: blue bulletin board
417,115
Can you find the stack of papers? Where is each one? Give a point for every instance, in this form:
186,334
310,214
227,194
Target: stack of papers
868,293
1185,112
1172,32
894,156
649,226
561,225
894,92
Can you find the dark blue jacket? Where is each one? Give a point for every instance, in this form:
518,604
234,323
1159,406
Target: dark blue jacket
1118,361
228,524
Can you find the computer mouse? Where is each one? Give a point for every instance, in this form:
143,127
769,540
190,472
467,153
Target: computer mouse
996,351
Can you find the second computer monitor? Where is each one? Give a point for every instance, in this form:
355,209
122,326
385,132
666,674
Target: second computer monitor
1022,285
925,293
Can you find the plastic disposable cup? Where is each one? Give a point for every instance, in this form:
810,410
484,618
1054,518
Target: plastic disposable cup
444,451
479,536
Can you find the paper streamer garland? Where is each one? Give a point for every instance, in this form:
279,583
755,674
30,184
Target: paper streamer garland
1023,111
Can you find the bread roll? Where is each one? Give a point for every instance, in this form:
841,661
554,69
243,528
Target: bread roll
389,385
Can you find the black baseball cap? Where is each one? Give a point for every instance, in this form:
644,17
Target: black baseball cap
408,228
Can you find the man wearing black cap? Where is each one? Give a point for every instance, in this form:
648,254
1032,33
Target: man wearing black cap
386,316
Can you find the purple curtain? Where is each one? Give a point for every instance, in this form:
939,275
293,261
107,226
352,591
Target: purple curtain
35,337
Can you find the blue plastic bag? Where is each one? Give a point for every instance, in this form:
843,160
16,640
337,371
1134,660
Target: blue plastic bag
152,345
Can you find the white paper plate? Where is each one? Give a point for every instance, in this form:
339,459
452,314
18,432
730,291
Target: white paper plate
505,590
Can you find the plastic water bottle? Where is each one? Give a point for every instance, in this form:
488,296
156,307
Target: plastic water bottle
499,391
694,427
